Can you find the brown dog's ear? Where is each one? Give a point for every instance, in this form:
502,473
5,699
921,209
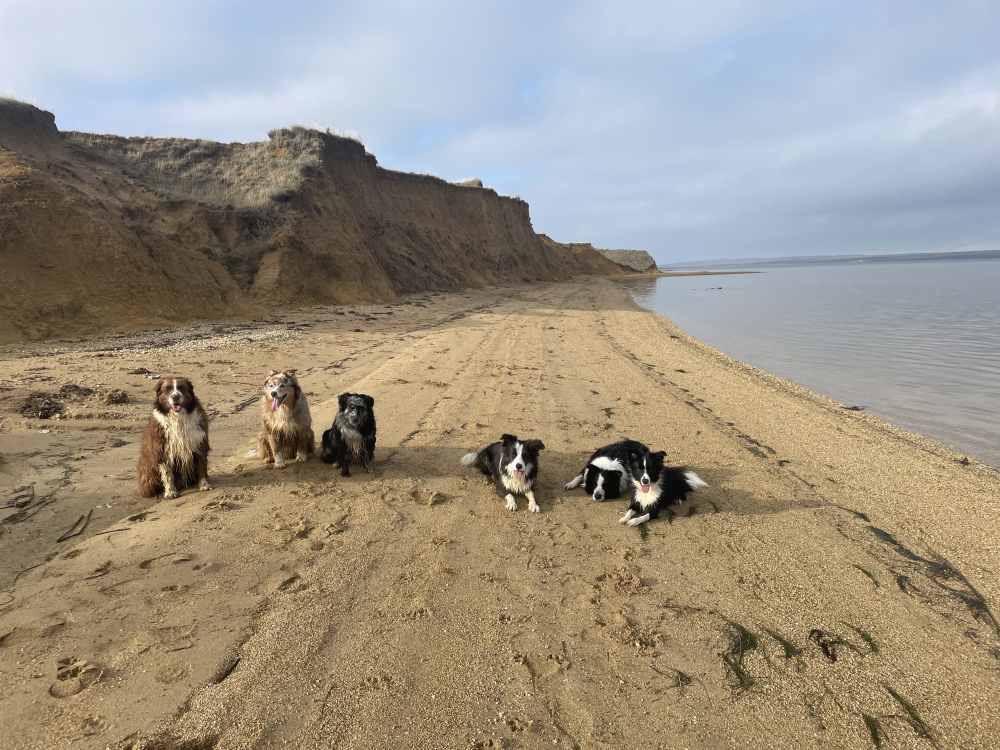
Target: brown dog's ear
290,372
273,373
505,438
160,383
537,445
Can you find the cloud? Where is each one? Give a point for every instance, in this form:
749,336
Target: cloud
691,129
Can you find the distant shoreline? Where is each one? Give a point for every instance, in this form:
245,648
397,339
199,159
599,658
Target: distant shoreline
668,274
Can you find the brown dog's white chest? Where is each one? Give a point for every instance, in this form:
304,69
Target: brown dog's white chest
183,434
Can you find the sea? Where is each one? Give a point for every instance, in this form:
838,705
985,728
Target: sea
916,342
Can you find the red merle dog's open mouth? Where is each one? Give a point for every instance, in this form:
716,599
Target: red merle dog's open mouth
276,402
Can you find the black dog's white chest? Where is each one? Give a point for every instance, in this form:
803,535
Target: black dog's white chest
354,441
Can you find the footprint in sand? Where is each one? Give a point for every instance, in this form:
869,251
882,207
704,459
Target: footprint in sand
73,676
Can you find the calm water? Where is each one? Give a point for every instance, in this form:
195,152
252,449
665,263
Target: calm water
915,343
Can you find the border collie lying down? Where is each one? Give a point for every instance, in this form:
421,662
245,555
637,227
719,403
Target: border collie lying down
512,464
655,486
606,473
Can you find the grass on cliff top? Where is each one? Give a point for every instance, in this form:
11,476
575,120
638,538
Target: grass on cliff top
243,175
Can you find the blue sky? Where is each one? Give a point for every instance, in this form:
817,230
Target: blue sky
692,129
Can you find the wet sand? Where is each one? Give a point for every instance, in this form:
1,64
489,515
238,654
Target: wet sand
835,586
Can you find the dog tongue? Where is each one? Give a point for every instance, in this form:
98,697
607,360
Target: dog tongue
176,407
275,403
645,487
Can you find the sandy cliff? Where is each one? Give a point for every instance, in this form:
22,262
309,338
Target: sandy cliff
584,256
634,260
99,231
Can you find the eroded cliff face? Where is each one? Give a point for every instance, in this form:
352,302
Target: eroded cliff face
100,232
634,260
584,256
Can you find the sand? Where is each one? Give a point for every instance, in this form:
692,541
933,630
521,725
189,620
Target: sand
835,586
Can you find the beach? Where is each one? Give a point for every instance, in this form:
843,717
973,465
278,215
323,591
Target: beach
834,586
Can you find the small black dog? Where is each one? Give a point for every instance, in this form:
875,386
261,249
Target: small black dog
606,473
655,486
352,436
512,464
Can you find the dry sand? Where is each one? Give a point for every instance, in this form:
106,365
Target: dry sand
834,587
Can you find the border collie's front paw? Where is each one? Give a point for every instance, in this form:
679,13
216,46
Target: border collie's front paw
300,458
533,507
637,521
279,464
624,519
169,494
511,503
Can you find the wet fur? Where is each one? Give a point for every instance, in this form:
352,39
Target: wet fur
174,445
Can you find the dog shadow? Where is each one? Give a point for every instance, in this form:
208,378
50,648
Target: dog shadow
443,462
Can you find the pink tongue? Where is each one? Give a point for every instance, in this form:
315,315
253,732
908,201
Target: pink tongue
176,407
645,487
275,404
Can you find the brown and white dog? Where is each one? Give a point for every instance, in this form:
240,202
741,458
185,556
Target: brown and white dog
175,445
287,433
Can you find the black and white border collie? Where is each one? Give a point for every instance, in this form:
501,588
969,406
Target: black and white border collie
606,473
655,486
512,464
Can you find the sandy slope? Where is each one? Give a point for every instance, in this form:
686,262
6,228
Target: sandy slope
298,609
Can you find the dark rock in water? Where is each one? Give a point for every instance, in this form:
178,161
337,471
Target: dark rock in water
117,396
854,408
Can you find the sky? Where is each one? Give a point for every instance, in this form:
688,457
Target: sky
693,130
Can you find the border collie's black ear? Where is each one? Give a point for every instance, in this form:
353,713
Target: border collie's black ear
660,455
505,438
537,445
370,401
342,400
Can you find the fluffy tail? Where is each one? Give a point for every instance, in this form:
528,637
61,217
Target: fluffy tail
694,481
470,458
